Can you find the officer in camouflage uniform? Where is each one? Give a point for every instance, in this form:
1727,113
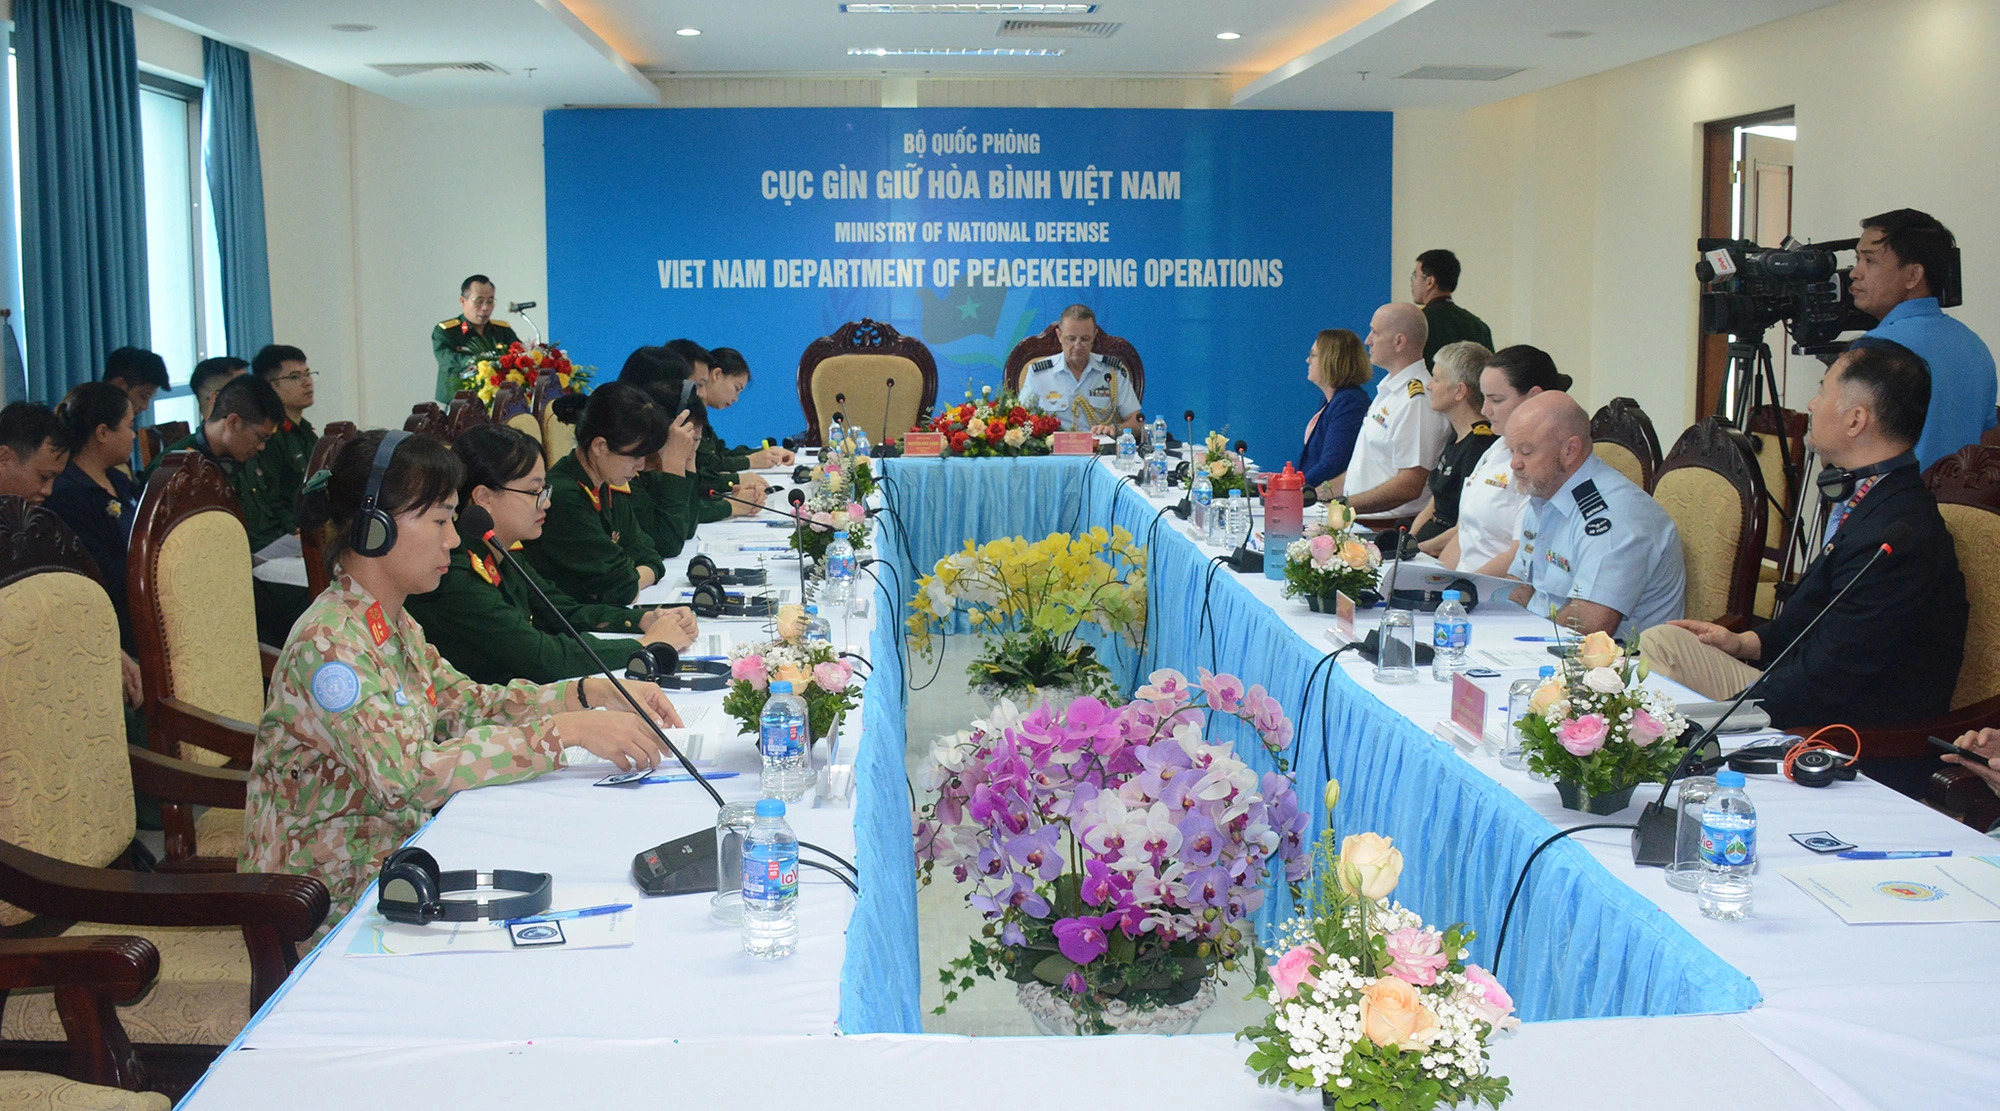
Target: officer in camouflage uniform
468,337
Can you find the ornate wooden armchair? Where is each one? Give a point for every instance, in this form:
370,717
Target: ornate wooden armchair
557,438
89,977
877,378
1622,435
224,942
1044,343
427,418
1712,489
465,412
514,407
193,617
312,544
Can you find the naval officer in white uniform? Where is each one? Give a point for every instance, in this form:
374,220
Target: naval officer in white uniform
1402,436
1089,392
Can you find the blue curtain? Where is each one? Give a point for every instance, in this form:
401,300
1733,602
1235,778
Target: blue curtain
236,185
83,202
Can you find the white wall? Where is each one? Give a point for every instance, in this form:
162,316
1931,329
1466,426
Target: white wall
1575,209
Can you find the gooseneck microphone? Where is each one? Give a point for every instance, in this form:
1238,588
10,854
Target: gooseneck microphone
888,395
476,520
1653,838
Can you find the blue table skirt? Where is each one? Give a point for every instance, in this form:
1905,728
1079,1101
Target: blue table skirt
1583,943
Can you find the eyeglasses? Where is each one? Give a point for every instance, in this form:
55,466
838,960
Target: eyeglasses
301,376
542,496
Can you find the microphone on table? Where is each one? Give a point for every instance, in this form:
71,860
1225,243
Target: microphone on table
888,395
1653,837
1185,507
680,866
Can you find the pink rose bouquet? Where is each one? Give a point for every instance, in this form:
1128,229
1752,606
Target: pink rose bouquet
1596,728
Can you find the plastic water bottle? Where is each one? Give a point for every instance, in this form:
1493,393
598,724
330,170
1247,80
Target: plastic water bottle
1157,433
1201,495
860,442
840,571
1451,634
1156,471
784,736
1520,693
771,885
1128,451
1728,849
1235,520
817,627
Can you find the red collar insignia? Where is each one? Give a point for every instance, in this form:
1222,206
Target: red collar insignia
378,626
486,568
596,499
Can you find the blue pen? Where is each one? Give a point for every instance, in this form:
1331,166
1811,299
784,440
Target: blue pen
688,778
1537,640
1877,854
565,915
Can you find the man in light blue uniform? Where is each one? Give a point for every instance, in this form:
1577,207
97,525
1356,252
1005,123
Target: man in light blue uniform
1089,392
1597,553
1902,264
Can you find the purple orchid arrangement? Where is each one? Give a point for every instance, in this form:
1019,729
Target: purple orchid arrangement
1115,852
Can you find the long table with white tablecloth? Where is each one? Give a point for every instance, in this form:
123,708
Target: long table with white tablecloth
1849,1016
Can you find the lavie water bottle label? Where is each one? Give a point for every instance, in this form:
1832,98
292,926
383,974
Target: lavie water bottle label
1451,634
841,567
1722,846
770,873
782,741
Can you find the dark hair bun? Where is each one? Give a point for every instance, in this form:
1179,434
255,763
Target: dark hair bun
569,407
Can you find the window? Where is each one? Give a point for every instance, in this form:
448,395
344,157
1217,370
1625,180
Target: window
184,272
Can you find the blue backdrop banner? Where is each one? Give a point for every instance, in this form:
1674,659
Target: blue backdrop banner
1218,243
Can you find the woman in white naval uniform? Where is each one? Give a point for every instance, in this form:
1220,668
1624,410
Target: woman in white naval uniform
1491,505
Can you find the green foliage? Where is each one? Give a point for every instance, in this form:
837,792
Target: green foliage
1035,660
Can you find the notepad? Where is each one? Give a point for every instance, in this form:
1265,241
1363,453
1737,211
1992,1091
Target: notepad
1871,892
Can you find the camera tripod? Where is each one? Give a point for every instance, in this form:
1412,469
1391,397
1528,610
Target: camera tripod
1750,386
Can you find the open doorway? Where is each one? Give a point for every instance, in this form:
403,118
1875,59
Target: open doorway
1747,194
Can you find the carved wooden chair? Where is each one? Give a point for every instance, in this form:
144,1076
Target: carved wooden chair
557,438
89,977
195,624
464,413
224,942
1709,484
514,407
312,544
1622,435
427,418
878,379
1779,438
1044,343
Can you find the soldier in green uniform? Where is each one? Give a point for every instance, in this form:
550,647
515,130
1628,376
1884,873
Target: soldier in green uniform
368,730
1431,286
471,335
670,496
593,545
245,416
485,618
289,450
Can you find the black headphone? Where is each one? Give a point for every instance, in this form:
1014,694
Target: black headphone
661,664
702,569
1815,767
710,600
1838,485
374,531
802,474
411,891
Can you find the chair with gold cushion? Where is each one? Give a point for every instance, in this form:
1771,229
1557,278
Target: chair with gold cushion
558,439
193,618
511,407
225,942
1044,343
1779,438
1709,484
1622,435
92,975
879,380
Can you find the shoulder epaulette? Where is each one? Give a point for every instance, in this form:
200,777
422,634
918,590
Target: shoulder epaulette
1415,387
452,323
1481,428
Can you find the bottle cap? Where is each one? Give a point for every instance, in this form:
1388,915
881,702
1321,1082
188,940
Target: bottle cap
1548,671
1288,479
813,608
1449,595
782,686
770,808
1728,778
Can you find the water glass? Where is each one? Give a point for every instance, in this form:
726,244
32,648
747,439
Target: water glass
1396,659
1685,873
732,829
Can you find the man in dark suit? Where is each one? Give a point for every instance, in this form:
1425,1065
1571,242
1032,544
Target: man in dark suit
1890,653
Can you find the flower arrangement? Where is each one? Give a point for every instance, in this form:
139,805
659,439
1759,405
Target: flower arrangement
1225,467
990,424
1595,727
1115,853
1369,1006
522,365
1037,597
809,664
834,504
1331,559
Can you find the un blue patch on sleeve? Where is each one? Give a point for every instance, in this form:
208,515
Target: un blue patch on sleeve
335,686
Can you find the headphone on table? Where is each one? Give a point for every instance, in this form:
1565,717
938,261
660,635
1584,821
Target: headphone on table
374,531
711,600
702,569
1810,762
662,665
1838,485
411,891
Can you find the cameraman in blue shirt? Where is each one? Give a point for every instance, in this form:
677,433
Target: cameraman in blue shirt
1903,262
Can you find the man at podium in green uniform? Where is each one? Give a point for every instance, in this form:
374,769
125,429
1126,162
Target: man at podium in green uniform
471,335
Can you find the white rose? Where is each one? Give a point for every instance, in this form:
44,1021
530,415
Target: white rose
1603,680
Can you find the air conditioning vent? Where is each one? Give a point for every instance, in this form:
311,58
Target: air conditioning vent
1057,29
414,69
1461,73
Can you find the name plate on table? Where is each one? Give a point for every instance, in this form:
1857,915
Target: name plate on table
1468,713
1343,616
923,443
1072,443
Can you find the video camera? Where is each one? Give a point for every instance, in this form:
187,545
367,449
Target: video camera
1800,285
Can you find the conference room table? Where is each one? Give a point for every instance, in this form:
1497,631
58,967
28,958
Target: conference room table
1633,997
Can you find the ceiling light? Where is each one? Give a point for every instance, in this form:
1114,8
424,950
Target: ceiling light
1569,34
954,52
353,28
688,32
1228,36
968,9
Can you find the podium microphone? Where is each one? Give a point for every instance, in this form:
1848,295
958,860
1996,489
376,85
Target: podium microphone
519,308
1653,837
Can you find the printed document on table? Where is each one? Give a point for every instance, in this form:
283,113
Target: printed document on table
1429,574
1926,889
379,937
705,725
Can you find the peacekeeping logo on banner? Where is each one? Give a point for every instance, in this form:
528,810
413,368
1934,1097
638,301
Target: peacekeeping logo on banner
1217,243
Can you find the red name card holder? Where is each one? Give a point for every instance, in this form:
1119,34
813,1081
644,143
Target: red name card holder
923,443
1072,443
